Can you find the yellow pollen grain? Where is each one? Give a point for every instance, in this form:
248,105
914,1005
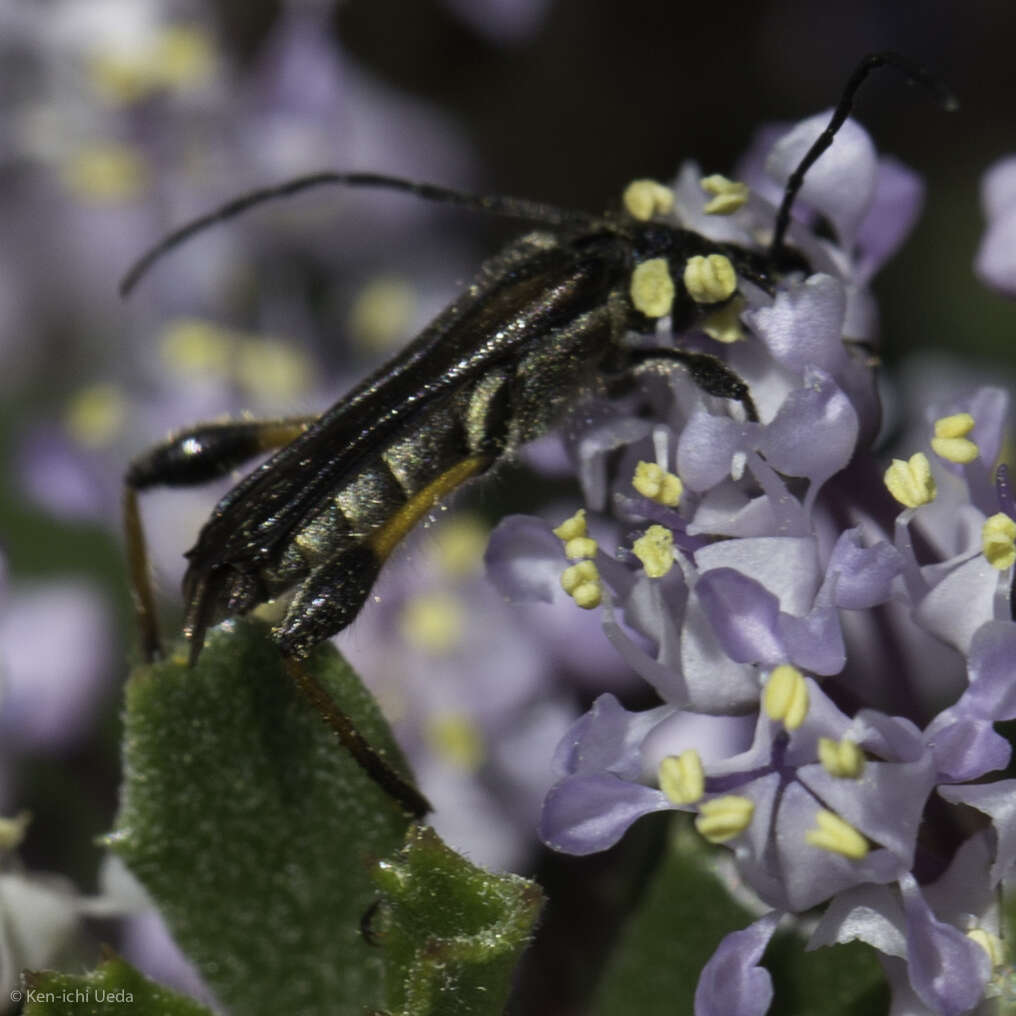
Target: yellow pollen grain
786,696
657,484
682,778
729,195
710,279
645,198
911,482
572,527
461,543
655,549
832,833
382,313
724,324
456,739
998,539
106,173
96,415
842,759
991,944
652,289
723,818
582,583
434,623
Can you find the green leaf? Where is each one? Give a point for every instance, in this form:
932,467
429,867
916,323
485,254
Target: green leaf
114,988
452,933
839,980
253,829
685,912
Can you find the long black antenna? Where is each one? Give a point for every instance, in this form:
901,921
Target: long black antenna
915,75
515,208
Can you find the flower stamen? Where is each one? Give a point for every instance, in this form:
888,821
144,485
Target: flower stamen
723,818
652,289
710,279
582,583
729,194
657,484
682,777
951,442
842,759
655,549
911,482
836,835
998,540
645,198
786,696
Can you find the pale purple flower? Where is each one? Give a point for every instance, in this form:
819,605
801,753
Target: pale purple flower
833,664
56,662
996,257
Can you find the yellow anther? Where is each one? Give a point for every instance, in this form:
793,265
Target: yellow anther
957,425
184,55
460,544
652,288
911,483
381,313
456,739
96,415
682,777
955,449
645,198
434,623
12,830
655,549
786,696
572,527
843,759
724,325
181,55
951,442
710,279
832,833
582,583
580,547
998,538
991,944
723,818
657,484
729,194
191,346
106,173
270,369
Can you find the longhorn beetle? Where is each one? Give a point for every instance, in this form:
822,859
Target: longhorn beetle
497,368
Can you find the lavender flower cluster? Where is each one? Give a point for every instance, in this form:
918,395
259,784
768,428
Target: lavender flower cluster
829,630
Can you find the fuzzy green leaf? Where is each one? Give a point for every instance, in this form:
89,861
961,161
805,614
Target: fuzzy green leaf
252,827
685,913
452,933
113,989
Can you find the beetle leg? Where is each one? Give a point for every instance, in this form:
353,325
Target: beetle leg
188,459
372,763
710,373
